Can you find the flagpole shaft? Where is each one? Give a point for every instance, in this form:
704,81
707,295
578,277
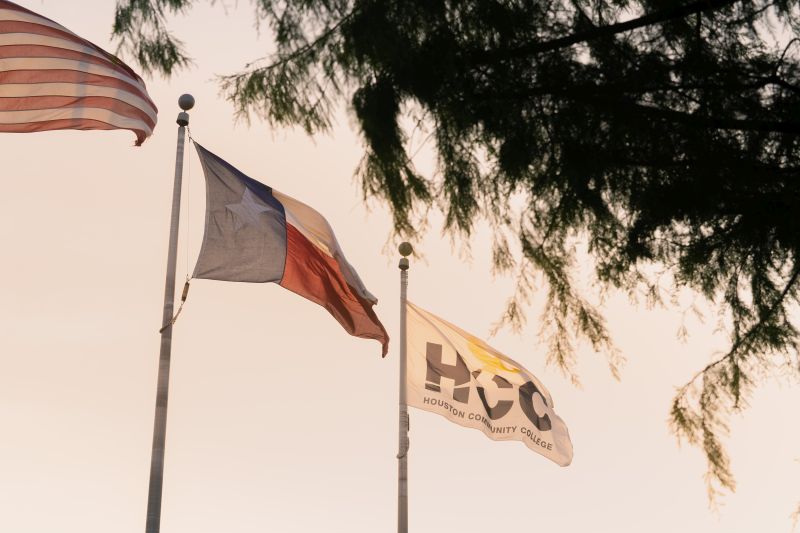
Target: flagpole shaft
153,524
403,442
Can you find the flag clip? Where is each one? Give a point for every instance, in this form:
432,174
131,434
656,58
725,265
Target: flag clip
174,319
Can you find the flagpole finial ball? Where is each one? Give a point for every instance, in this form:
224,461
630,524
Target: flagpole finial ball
186,102
405,249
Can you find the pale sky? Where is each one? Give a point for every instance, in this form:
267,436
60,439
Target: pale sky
278,420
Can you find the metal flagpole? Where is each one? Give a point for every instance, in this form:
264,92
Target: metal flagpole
186,102
402,456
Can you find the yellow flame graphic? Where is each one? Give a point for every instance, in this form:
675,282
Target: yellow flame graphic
491,362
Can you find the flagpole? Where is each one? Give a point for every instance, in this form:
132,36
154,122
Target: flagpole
153,525
403,444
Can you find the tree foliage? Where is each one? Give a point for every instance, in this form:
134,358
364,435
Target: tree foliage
659,132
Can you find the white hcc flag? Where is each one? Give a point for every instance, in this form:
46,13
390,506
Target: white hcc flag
460,377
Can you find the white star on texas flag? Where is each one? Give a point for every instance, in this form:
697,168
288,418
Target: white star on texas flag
248,211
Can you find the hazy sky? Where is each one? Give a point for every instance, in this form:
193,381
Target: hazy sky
278,420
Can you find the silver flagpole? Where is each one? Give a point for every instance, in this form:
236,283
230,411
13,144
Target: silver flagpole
402,456
186,102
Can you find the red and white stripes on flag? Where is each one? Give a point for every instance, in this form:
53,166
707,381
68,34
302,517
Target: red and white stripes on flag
51,79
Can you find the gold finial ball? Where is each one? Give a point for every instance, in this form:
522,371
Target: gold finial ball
186,102
405,249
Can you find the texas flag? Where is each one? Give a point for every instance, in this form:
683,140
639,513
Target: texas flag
256,234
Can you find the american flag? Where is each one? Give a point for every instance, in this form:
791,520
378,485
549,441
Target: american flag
52,79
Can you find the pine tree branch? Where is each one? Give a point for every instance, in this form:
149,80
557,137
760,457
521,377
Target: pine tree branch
306,48
692,119
742,340
664,15
588,95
